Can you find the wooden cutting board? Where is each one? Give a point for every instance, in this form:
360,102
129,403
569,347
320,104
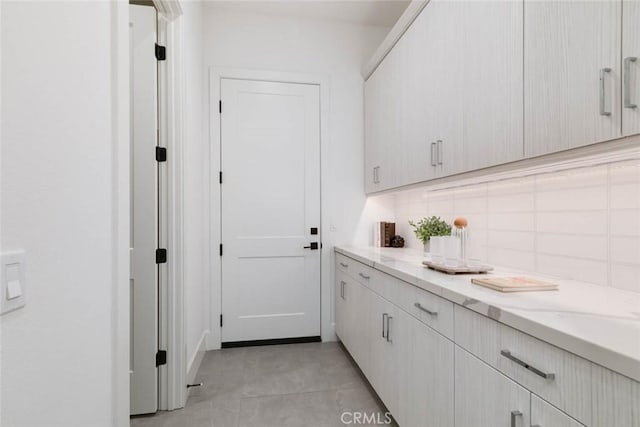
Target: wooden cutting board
514,284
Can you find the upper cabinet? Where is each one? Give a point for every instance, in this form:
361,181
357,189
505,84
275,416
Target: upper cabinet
431,78
448,97
383,124
572,74
630,67
475,84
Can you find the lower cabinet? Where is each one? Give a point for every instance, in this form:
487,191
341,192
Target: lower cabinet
352,312
409,364
486,375
486,398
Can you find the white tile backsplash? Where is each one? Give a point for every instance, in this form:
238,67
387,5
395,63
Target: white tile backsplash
514,221
573,245
581,224
573,199
625,277
625,249
573,268
625,196
588,222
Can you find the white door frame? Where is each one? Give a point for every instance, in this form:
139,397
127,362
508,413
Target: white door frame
172,391
215,225
172,387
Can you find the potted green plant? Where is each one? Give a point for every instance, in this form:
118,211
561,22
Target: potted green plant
429,227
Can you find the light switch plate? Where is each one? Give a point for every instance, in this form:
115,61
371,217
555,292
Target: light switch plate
13,283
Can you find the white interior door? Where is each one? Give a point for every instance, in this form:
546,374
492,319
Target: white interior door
144,223
270,156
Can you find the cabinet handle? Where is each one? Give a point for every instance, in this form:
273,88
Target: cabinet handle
376,175
344,265
514,415
440,152
342,283
420,307
388,334
433,154
627,82
364,276
384,323
603,107
508,355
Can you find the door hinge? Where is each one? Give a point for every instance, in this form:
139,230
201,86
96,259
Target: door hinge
220,249
220,177
161,52
161,358
221,321
220,106
161,256
161,154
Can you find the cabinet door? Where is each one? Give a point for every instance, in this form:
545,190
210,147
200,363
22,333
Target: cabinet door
357,297
432,92
570,98
492,83
631,67
341,310
382,366
486,398
426,393
372,128
389,353
545,415
383,115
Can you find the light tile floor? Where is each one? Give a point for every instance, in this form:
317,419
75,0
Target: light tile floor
296,385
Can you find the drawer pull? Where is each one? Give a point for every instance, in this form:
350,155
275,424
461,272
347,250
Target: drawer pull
342,283
420,307
514,415
384,323
508,355
344,265
627,82
364,276
603,94
388,334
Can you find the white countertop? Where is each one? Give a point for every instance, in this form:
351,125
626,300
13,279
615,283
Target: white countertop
597,323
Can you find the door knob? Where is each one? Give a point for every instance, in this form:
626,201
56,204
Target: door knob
313,246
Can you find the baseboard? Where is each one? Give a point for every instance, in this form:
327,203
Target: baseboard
277,341
196,360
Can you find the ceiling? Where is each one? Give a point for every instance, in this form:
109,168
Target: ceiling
365,12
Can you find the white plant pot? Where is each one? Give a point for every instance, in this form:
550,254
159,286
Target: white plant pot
427,247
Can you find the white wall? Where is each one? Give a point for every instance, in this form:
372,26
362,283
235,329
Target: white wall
581,224
337,51
196,270
61,136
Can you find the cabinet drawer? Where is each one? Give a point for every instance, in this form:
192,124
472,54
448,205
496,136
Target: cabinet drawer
344,263
357,270
559,377
428,308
